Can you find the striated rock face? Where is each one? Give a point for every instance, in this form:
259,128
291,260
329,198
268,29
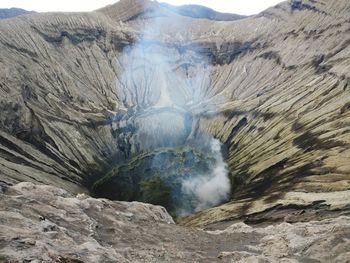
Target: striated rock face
56,97
274,89
40,223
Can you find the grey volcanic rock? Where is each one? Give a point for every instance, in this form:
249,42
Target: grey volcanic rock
12,12
276,95
40,223
54,100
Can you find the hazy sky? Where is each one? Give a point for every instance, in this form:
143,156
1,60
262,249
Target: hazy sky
244,7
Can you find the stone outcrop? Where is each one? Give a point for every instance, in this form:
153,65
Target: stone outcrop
41,223
278,99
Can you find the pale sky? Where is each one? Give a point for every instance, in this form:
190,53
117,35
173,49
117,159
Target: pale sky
243,7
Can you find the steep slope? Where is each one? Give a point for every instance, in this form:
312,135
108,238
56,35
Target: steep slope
57,97
277,98
290,144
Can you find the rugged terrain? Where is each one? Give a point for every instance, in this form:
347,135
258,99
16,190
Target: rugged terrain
273,88
47,224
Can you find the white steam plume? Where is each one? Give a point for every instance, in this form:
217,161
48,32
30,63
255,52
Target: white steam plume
211,189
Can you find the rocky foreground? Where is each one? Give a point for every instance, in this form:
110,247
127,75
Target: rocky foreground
40,223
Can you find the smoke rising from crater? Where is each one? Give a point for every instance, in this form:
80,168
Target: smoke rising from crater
165,88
